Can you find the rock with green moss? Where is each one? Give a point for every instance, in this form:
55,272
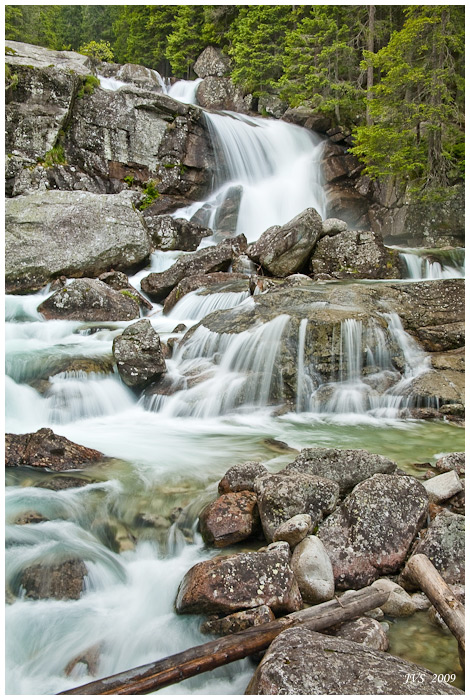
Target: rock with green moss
444,544
89,300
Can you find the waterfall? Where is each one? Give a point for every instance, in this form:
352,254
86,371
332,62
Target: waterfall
420,265
195,306
304,382
184,91
272,165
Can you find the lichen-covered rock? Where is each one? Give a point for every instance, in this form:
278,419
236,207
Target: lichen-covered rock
308,118
77,234
312,569
214,259
239,582
237,622
168,233
119,281
347,467
283,250
48,450
138,355
301,662
370,533
364,630
90,300
444,386
220,93
399,602
355,254
294,530
453,460
63,581
272,106
241,477
444,544
212,62
283,495
233,517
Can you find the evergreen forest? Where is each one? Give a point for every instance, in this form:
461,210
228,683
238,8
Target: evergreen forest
393,74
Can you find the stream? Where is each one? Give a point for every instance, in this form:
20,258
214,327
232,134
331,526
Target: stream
168,453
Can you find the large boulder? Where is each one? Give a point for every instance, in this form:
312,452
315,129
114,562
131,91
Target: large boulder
212,62
90,300
308,118
47,450
214,259
77,234
233,517
346,467
138,354
239,582
283,250
302,662
283,495
355,254
62,581
168,233
370,533
220,93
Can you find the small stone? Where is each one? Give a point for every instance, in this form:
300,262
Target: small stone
313,570
442,487
233,517
365,631
294,530
420,601
399,603
241,477
332,226
453,460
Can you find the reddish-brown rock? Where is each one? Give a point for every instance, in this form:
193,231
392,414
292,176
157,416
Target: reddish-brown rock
241,477
46,449
239,582
233,517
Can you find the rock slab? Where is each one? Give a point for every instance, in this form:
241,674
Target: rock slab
48,450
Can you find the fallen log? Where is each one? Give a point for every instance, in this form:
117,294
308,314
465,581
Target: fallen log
150,677
425,575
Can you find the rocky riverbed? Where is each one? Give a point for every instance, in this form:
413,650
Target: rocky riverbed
220,356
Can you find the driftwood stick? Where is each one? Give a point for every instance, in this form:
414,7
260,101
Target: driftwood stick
150,677
425,575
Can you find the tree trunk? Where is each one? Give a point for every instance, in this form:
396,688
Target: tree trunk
423,572
370,69
206,657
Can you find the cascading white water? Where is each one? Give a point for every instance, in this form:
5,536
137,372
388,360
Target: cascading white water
276,165
184,91
420,267
194,306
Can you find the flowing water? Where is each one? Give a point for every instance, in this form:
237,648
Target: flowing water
433,264
167,452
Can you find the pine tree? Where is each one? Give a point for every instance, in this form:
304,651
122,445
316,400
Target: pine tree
187,39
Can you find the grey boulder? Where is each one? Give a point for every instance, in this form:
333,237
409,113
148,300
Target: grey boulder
138,354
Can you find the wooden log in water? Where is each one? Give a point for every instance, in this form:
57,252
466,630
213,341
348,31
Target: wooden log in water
425,575
206,657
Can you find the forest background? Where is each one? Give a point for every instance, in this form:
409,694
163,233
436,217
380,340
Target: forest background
393,74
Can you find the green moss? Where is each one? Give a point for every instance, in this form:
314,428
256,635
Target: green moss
56,156
11,80
130,179
10,51
127,293
90,82
150,193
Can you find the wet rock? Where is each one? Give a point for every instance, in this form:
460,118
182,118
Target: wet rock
233,517
214,282
138,355
226,216
119,281
345,202
271,106
312,569
420,601
247,580
59,483
283,495
62,581
294,530
238,621
46,449
90,300
355,254
89,658
77,234
283,250
214,259
308,118
30,518
442,487
364,630
445,386
241,477
399,603
453,460
301,662
212,62
444,544
371,531
346,467
168,233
